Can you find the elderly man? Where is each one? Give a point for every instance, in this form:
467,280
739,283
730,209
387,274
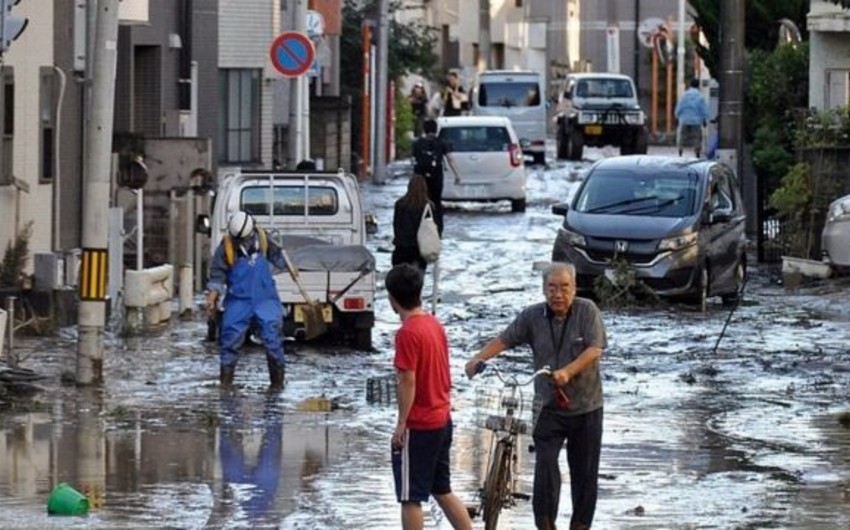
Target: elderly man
567,334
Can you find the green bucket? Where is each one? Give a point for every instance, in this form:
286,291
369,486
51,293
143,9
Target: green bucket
65,500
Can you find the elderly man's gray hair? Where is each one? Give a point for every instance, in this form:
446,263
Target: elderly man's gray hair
558,266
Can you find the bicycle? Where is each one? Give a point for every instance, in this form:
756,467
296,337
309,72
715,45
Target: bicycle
499,482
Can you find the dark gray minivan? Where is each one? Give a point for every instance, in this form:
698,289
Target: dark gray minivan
678,222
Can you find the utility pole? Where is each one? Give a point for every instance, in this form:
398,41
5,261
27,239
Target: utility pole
484,40
731,105
680,52
379,168
296,94
94,269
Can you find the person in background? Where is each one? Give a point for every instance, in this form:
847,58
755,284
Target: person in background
241,268
565,333
419,106
428,154
422,439
455,99
692,115
406,218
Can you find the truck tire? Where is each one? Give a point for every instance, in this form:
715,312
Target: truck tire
362,339
517,205
561,142
576,145
641,142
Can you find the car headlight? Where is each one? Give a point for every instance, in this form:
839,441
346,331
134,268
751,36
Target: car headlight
635,118
587,117
678,242
839,211
572,238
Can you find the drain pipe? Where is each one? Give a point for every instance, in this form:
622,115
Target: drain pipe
11,359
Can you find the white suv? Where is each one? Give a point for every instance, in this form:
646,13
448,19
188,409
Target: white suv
485,161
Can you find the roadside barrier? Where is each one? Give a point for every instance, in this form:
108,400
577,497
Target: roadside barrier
147,296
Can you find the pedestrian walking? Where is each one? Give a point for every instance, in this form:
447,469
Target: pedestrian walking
565,333
407,215
429,151
419,106
455,100
692,115
241,272
422,439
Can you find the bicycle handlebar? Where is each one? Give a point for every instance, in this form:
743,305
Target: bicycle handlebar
513,380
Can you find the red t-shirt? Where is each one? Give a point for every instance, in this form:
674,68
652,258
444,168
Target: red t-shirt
421,346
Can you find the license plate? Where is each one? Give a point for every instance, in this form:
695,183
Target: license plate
327,313
594,130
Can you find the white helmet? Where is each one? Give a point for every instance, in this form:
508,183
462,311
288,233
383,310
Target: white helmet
241,225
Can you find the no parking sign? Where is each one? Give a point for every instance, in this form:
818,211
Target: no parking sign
292,53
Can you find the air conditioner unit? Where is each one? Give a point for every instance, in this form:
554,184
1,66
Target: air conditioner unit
49,271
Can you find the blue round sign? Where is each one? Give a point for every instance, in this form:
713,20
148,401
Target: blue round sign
292,53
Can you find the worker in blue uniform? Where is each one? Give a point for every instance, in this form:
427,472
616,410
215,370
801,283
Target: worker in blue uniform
242,268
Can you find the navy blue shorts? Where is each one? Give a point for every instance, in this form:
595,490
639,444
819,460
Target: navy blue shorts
421,467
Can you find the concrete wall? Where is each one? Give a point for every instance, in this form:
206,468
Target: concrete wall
829,39
246,30
26,57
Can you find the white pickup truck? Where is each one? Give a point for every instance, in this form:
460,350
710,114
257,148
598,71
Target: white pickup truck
318,219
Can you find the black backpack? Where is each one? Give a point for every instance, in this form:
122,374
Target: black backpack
428,158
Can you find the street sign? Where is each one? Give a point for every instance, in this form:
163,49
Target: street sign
647,30
292,53
315,24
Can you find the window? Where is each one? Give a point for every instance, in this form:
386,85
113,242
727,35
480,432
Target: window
47,124
509,94
476,139
657,194
7,120
322,200
604,88
721,197
239,127
837,88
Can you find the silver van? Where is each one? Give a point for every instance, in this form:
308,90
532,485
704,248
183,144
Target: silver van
518,96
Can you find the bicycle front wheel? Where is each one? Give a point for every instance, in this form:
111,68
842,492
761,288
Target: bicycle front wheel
496,485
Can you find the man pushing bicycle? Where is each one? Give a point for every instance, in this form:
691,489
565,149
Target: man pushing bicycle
566,333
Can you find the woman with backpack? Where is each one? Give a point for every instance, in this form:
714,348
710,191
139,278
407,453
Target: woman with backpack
407,216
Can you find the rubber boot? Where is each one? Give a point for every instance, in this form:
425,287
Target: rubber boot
277,374
226,376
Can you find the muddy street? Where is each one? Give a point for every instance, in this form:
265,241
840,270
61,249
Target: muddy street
752,432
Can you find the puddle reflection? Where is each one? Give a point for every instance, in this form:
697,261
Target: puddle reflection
242,464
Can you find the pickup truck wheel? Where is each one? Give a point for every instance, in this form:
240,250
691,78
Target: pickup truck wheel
518,205
641,142
576,143
561,142
539,159
362,339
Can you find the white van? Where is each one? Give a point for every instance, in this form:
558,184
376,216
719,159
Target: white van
518,96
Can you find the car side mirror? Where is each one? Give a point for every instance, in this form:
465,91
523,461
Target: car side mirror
719,216
560,209
202,225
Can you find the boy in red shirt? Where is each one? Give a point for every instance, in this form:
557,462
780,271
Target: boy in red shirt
423,434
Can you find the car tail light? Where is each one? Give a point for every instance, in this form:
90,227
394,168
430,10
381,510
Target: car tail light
516,155
354,303
538,143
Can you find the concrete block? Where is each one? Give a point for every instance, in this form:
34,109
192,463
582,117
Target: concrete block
148,286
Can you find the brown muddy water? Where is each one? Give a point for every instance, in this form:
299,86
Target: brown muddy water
748,436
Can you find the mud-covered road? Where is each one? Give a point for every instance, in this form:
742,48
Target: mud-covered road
744,434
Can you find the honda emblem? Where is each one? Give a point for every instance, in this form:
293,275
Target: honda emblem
621,246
